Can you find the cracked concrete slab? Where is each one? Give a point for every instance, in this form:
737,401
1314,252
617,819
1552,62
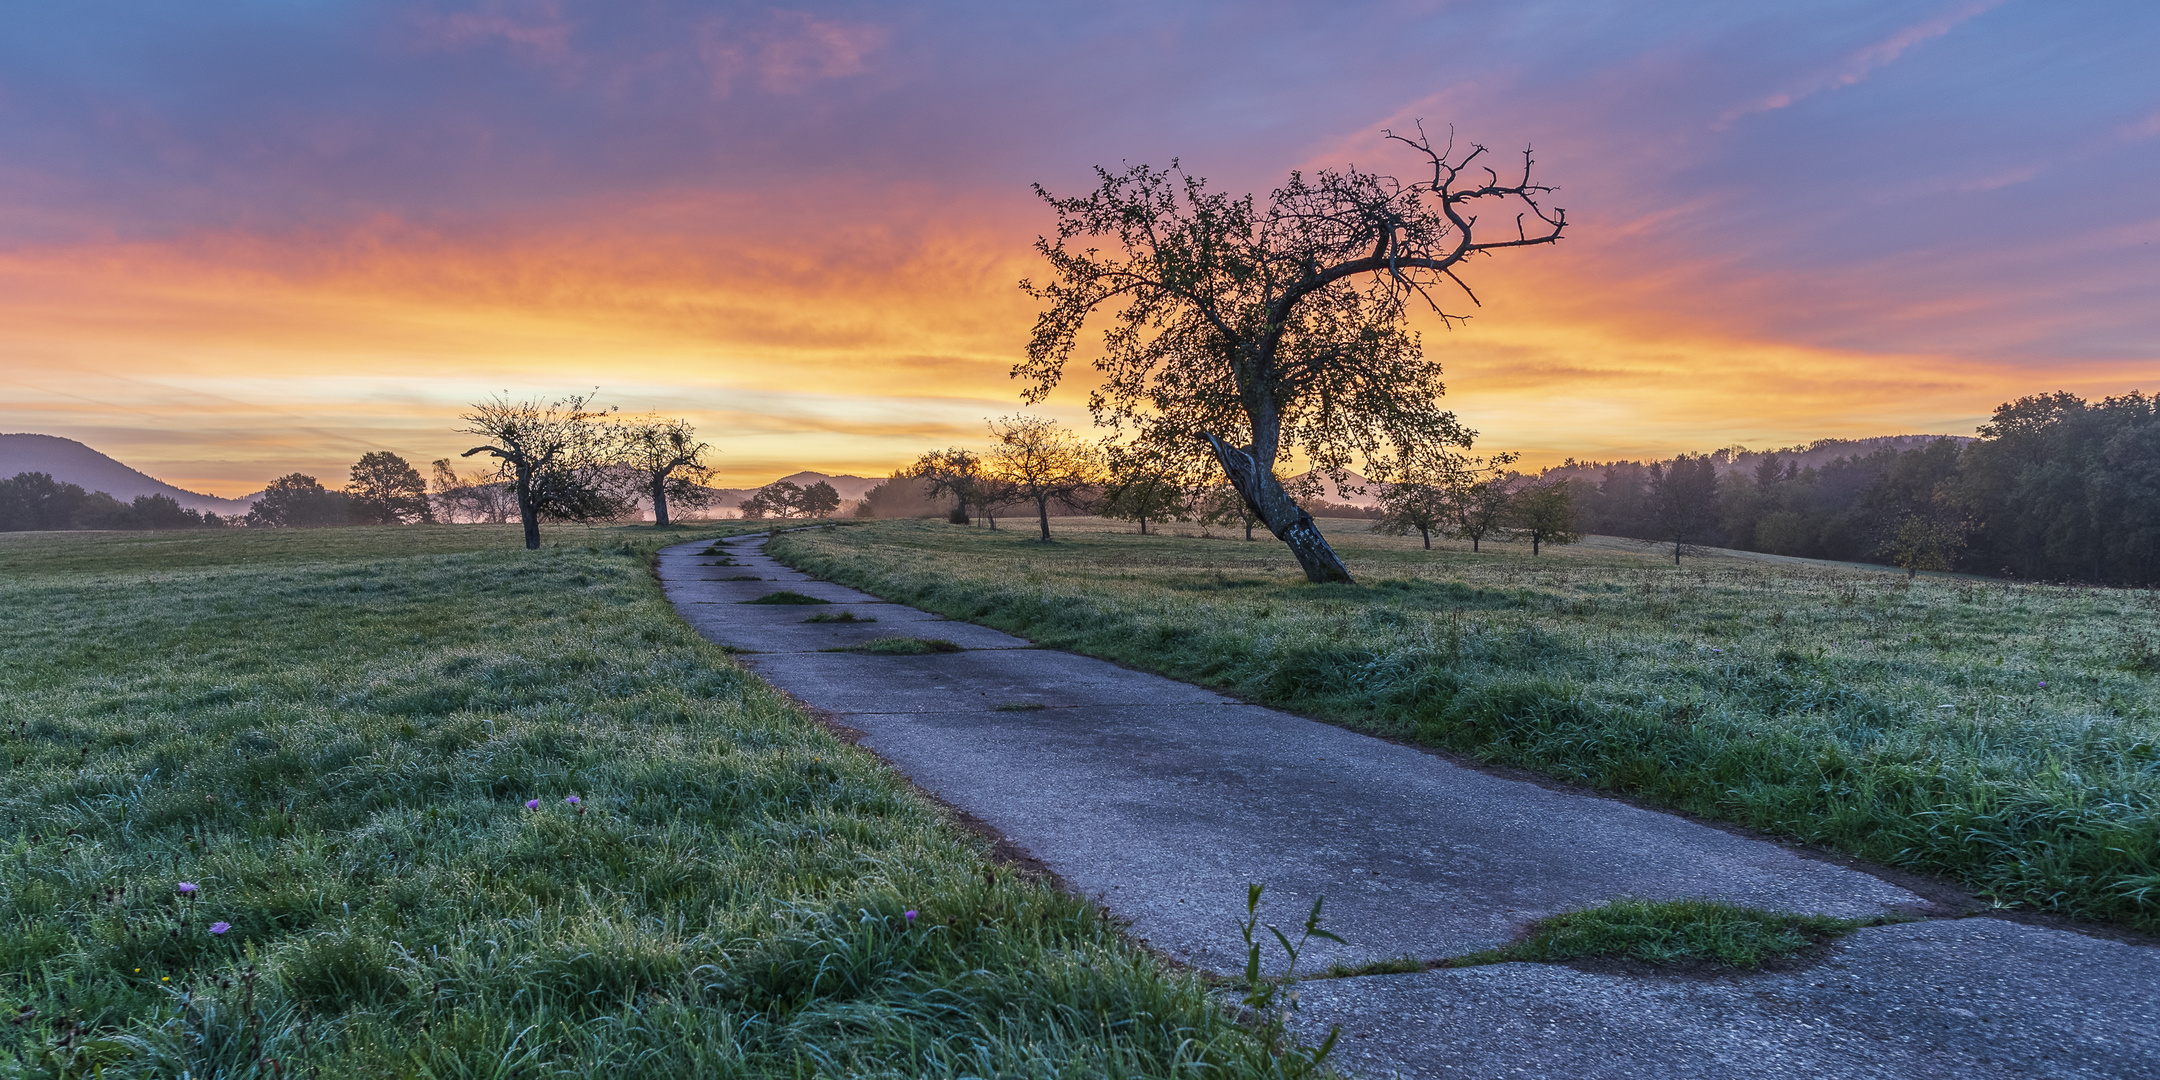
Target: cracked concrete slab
787,629
1971,999
1164,799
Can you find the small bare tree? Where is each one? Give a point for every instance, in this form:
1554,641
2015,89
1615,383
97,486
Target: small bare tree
551,454
1042,462
669,463
472,498
1258,329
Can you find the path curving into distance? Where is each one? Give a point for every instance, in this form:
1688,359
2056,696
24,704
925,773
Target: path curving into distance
1162,800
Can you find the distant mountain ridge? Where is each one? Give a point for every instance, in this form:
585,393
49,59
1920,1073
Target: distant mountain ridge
71,462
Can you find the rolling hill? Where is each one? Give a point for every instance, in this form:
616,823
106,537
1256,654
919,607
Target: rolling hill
71,462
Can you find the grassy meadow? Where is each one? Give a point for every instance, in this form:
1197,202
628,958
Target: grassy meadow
447,808
2004,735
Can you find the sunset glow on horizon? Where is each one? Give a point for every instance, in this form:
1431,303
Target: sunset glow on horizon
241,240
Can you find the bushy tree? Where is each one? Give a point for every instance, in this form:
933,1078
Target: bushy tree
298,501
1258,330
35,501
668,463
1042,462
787,499
818,500
1418,506
1682,496
952,473
1138,487
1544,511
899,496
386,490
553,455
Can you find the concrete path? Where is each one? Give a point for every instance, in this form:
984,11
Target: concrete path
1162,800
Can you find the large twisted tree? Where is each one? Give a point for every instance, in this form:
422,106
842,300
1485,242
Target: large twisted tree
1255,329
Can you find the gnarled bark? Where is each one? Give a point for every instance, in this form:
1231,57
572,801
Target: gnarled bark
1290,523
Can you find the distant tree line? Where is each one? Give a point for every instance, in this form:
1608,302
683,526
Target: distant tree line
2055,488
34,500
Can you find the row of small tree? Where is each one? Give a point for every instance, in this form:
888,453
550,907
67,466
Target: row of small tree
1477,499
567,460
561,460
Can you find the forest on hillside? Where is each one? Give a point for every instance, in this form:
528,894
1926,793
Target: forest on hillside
2056,488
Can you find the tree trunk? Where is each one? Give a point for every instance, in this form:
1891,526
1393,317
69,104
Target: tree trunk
659,501
1427,534
1265,496
526,511
1143,524
1533,543
1042,510
1473,543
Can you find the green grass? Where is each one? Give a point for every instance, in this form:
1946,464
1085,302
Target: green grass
842,617
786,596
1670,932
901,646
334,733
2006,735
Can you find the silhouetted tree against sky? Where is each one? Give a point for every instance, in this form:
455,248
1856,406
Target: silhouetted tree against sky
1545,512
387,490
1138,489
669,462
1683,500
1042,462
551,454
952,472
299,501
787,499
1265,329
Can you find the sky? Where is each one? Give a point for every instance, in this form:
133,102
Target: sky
239,239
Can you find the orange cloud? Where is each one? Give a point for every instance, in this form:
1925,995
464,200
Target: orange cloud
850,344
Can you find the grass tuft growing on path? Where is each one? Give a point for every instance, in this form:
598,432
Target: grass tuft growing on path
901,646
2006,735
1670,932
452,808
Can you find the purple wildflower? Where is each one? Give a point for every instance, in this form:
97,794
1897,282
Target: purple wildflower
911,915
2043,682
532,804
220,927
187,888
572,800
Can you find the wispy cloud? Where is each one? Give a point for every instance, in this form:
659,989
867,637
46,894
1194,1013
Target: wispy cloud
1863,62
